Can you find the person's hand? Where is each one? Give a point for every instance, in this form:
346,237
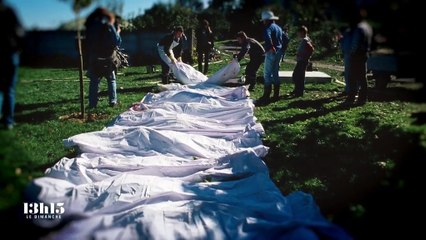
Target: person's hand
173,59
272,50
179,59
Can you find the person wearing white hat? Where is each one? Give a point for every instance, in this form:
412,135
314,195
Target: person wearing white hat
273,48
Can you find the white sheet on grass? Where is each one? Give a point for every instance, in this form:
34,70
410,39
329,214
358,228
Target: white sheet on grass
181,164
186,74
224,74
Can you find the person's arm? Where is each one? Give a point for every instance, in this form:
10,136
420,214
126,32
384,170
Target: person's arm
168,48
244,50
179,51
211,38
116,39
356,41
269,45
286,40
306,50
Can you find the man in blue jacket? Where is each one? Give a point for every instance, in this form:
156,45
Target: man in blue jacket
274,50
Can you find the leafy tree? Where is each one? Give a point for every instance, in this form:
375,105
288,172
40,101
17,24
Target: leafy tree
224,5
194,5
163,17
218,22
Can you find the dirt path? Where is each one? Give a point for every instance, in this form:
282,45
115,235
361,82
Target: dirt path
228,50
320,65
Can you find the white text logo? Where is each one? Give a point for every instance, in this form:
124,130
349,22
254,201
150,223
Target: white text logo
43,210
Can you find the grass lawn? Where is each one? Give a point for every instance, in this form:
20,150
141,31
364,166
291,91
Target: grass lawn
362,164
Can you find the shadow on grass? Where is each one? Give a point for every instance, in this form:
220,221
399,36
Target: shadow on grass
397,94
136,90
308,103
303,104
419,118
368,183
129,90
19,107
158,76
36,117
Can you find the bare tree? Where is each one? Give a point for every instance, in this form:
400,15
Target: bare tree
77,6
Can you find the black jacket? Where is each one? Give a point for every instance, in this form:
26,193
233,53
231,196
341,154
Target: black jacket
167,41
253,48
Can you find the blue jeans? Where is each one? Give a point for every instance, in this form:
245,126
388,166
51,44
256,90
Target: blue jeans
271,67
95,78
8,81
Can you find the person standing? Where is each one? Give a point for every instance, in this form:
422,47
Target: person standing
286,40
205,43
256,52
11,42
345,44
273,47
102,39
170,50
304,53
362,34
186,50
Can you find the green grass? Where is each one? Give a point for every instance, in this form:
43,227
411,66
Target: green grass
350,158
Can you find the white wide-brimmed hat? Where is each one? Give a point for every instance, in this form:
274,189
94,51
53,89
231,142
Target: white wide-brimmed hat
268,15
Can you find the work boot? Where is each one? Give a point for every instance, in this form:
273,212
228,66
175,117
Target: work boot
251,82
349,99
165,79
362,98
276,96
264,100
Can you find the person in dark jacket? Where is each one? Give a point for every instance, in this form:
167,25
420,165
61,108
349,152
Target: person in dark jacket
286,40
170,50
304,53
205,43
359,49
101,40
11,43
256,52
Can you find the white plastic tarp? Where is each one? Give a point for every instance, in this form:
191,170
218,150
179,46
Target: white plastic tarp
186,74
229,71
193,172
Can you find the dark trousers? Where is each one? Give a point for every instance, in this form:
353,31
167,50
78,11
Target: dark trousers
251,70
165,69
8,81
298,77
203,55
358,76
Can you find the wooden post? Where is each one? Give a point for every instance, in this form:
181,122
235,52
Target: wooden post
80,55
